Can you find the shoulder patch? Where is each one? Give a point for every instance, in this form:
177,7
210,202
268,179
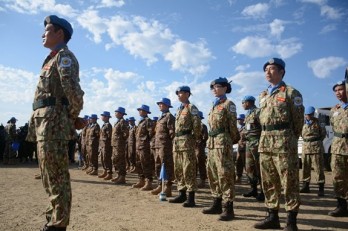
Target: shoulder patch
65,62
298,101
233,108
194,110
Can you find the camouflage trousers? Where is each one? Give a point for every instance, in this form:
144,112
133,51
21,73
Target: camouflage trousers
317,161
252,162
92,155
144,163
105,158
119,159
9,153
339,166
220,169
185,170
240,162
280,170
164,155
201,162
131,154
54,166
84,154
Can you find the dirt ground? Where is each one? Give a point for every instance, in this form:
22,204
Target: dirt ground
99,205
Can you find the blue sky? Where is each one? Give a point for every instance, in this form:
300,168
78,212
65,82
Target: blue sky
134,52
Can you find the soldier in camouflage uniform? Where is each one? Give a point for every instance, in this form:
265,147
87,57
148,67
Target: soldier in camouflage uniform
187,131
152,144
11,137
144,133
313,134
57,103
240,157
281,118
131,145
165,132
252,132
105,149
92,145
120,133
83,144
201,144
339,150
223,133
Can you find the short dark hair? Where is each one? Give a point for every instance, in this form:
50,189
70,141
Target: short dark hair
67,35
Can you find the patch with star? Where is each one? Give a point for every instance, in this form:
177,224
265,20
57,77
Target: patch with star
65,62
298,101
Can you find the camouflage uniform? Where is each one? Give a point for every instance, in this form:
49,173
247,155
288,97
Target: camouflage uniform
143,136
281,118
58,101
11,136
105,148
339,151
165,132
313,150
83,148
240,158
92,144
200,152
118,142
131,146
222,121
187,131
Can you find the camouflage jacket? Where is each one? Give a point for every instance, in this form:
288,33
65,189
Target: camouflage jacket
242,139
252,128
120,133
93,134
222,122
313,135
165,130
105,135
83,135
283,108
144,133
11,132
202,141
58,82
131,136
187,128
339,123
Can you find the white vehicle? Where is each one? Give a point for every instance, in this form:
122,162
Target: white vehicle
323,115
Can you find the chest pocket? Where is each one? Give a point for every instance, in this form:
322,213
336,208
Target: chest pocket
45,78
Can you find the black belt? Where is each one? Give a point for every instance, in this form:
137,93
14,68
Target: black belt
341,135
312,139
275,127
182,133
216,132
50,101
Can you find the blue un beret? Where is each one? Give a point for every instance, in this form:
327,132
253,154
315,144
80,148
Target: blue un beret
53,19
241,117
222,81
339,83
276,61
249,98
309,110
183,88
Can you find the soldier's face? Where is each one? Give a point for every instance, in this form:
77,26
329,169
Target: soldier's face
273,74
340,92
183,96
50,37
142,113
118,115
218,90
163,107
105,118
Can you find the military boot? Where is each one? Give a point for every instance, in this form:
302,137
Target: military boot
84,167
94,172
168,190
53,228
108,176
305,188
216,208
190,202
270,222
89,169
157,190
140,183
228,213
252,193
103,174
121,180
321,190
180,198
147,186
115,178
261,197
291,221
341,210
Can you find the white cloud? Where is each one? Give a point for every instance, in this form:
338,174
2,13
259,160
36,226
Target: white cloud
323,67
277,27
258,10
111,3
242,67
328,28
288,47
254,47
326,10
91,21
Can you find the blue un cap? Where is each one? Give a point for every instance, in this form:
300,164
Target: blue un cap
276,61
94,116
53,19
131,118
200,115
241,117
106,113
86,117
249,98
339,83
144,108
183,88
165,101
223,82
309,110
121,110
155,118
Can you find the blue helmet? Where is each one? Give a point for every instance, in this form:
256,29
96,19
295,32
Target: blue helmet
241,117
276,61
309,110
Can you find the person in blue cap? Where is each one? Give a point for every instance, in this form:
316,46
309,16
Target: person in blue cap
339,150
165,132
105,149
120,133
313,134
152,143
59,97
131,145
10,153
144,133
200,153
187,131
93,134
281,118
223,133
83,141
252,132
240,157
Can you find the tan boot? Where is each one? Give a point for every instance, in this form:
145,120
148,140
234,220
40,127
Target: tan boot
115,178
121,180
108,176
93,172
37,176
147,186
140,183
84,167
201,183
157,190
88,170
103,174
168,190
